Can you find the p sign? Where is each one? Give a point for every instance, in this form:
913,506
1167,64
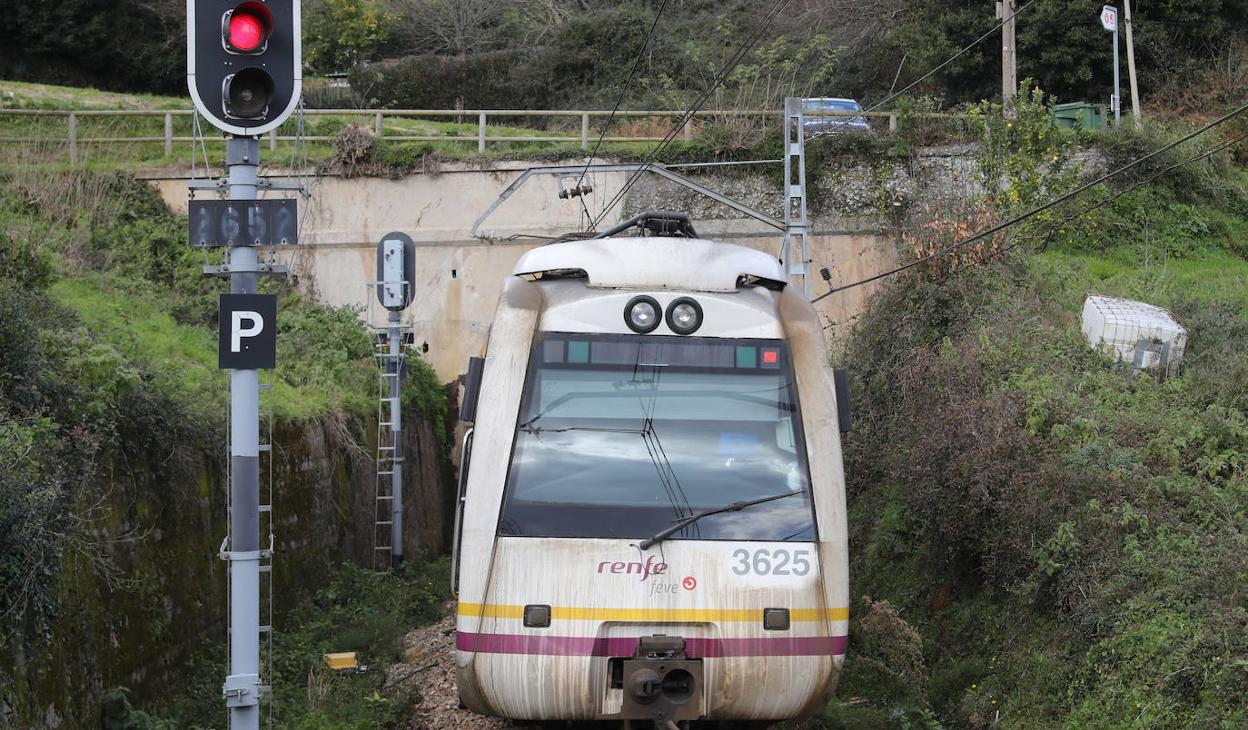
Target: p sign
247,331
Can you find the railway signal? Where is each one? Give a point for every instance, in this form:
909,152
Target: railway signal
244,63
396,276
244,73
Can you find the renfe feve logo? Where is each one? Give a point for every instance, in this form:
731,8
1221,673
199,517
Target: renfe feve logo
645,570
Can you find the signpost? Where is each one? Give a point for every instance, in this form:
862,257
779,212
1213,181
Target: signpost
1109,20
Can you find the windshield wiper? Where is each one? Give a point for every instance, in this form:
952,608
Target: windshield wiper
682,524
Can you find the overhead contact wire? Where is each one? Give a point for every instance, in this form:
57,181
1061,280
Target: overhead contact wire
623,90
693,109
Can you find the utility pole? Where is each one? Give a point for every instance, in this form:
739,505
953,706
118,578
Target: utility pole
1009,62
1135,89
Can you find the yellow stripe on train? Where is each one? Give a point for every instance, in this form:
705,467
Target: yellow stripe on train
497,610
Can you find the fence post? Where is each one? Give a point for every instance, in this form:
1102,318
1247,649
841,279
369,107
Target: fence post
689,130
168,134
377,126
481,132
584,130
73,138
892,122
272,139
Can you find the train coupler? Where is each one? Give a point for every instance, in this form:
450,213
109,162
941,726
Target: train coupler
660,682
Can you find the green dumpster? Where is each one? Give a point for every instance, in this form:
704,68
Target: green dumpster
1080,114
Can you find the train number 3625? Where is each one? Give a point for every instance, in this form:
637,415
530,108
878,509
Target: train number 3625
771,562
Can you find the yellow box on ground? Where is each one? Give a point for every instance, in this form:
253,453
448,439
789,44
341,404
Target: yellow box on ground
341,660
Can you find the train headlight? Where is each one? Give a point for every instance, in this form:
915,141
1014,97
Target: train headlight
684,316
642,314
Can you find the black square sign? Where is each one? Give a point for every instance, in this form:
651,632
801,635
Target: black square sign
247,332
268,222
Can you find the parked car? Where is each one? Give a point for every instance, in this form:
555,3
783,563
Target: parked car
833,124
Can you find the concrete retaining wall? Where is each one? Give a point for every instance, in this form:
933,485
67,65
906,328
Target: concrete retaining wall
459,278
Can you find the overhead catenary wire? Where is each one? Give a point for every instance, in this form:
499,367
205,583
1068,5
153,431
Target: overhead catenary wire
1055,226
720,75
736,59
993,230
641,53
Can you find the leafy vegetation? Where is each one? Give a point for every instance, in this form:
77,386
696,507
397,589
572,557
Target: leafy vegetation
68,397
111,418
1040,536
355,610
569,53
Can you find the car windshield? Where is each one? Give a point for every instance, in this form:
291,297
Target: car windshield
836,105
623,435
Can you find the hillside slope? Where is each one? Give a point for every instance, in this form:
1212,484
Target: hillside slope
1040,536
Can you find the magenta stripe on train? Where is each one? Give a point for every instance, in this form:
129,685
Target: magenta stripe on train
694,647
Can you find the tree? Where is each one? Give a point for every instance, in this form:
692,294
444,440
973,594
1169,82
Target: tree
338,34
455,27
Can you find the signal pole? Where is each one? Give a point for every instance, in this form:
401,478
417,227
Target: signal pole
244,72
396,274
1009,62
242,687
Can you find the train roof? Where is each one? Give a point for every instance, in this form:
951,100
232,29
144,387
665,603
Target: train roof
661,262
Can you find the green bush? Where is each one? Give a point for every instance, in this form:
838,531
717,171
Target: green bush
498,80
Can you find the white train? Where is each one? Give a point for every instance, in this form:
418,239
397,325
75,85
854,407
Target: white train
651,521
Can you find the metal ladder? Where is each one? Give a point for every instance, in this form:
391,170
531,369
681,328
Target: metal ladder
267,527
387,446
265,450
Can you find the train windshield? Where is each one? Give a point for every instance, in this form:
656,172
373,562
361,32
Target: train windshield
621,435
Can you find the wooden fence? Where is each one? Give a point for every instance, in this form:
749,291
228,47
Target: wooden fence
377,119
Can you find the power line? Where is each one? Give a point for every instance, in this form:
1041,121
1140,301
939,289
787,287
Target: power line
623,90
1038,209
735,59
933,71
1054,226
1135,186
697,104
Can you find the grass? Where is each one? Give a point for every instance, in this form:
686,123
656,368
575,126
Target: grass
1211,275
21,95
184,357
52,131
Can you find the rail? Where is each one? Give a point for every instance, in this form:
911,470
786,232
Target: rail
72,139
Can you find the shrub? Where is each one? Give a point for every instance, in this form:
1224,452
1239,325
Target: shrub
498,80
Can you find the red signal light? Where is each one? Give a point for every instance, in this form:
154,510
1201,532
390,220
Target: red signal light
246,28
771,357
246,31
